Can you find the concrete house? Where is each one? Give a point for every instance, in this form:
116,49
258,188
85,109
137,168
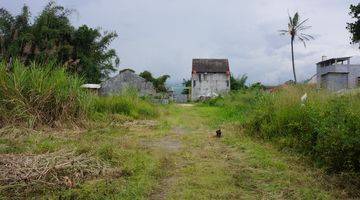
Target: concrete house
124,80
210,77
337,73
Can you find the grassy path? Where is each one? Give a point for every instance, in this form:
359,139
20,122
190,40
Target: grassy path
174,157
200,166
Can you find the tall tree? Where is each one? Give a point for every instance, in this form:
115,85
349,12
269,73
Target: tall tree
187,86
14,33
238,83
354,27
159,83
52,37
295,31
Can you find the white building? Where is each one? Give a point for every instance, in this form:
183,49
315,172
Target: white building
337,73
210,77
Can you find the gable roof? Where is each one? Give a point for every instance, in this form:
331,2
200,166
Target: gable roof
210,65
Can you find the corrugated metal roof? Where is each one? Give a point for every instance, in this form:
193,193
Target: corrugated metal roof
332,60
210,65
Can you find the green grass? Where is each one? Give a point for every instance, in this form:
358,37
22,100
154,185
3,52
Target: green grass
45,94
202,167
39,94
179,158
325,127
237,168
117,147
267,173
127,103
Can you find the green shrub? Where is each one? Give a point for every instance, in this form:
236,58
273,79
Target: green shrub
127,103
46,94
326,127
39,94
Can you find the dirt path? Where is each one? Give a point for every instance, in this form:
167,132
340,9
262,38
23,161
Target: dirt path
204,167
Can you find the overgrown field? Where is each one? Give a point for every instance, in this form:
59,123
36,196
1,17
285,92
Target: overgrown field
47,95
60,141
326,127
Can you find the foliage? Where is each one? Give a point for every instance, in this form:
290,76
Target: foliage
354,27
187,85
39,94
126,169
238,83
326,127
128,103
257,86
46,94
295,31
83,50
159,82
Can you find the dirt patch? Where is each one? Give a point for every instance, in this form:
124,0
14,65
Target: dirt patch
185,105
178,130
141,123
165,184
166,143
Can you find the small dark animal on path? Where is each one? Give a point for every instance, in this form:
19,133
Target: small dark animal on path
218,133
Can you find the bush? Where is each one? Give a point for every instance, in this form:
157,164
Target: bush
46,94
326,127
128,103
39,94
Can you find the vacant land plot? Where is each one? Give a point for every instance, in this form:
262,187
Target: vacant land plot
173,157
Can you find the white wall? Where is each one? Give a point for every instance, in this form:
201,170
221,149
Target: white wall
210,83
353,72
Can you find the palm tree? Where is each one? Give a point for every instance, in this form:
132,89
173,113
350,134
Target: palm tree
295,31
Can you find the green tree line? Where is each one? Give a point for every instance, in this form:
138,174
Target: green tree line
50,37
159,82
354,27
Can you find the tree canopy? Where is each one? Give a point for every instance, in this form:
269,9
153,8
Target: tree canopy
51,37
159,82
187,84
354,27
238,83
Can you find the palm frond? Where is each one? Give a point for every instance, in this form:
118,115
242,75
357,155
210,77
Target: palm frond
296,28
308,36
290,21
301,23
302,28
283,32
303,41
295,19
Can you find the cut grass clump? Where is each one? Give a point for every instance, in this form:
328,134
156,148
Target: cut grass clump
39,94
37,174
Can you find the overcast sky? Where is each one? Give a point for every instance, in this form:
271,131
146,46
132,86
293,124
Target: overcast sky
163,36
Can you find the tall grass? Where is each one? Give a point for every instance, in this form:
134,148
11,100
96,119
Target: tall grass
126,103
48,95
326,127
39,94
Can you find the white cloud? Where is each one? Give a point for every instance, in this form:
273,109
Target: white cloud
164,35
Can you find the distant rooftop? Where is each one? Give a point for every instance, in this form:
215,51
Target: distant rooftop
210,65
331,61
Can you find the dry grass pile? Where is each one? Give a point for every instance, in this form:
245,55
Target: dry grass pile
20,172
